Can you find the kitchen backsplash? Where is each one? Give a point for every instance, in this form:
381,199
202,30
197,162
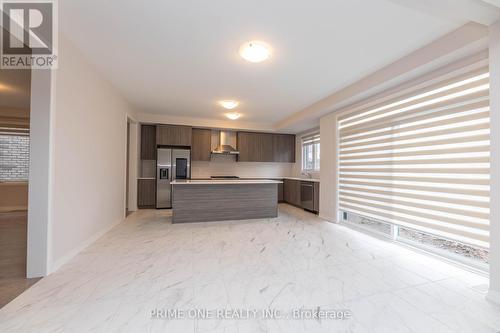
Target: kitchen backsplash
221,165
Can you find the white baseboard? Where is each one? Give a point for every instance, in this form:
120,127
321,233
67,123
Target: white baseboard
327,218
60,262
493,296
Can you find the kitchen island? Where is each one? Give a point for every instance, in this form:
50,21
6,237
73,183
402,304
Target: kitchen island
219,200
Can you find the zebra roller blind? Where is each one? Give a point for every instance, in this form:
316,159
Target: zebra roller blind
422,160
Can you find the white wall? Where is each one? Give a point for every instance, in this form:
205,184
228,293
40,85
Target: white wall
328,200
89,156
494,293
226,165
40,174
133,171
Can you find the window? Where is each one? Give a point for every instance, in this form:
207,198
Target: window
471,255
14,156
421,161
310,152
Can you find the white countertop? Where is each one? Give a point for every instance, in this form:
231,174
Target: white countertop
239,181
315,180
224,181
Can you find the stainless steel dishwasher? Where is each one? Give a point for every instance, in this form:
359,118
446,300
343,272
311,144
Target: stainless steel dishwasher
307,195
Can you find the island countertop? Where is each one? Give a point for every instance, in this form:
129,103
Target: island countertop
224,182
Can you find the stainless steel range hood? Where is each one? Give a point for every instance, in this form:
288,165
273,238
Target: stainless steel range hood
227,143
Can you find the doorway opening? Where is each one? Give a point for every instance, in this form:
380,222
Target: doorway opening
15,99
127,180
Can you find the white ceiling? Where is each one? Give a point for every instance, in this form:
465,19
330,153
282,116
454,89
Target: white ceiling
484,12
180,57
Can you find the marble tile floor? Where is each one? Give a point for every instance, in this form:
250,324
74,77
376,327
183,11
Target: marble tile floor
293,261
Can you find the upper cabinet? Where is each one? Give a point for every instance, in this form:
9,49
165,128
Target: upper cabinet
148,142
201,144
173,135
266,143
255,147
247,146
266,147
284,148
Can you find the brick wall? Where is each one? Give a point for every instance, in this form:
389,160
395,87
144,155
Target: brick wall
14,157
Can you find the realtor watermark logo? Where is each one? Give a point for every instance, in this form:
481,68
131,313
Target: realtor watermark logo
29,34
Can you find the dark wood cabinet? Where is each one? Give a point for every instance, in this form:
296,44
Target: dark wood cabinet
173,135
201,144
291,192
280,193
316,197
253,146
284,148
266,147
146,193
148,142
249,147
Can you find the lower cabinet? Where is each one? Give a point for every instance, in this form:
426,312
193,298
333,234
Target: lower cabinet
146,193
280,193
292,193
316,197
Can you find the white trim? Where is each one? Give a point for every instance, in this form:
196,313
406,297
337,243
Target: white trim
66,258
308,137
495,158
328,218
415,247
476,270
126,161
132,118
134,160
464,262
366,231
41,171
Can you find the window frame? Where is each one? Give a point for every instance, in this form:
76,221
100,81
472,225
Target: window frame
311,140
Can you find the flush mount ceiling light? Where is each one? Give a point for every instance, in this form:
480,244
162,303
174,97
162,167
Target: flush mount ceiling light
229,104
255,51
233,115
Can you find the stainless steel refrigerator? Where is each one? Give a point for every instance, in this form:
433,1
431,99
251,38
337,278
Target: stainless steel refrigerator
172,163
